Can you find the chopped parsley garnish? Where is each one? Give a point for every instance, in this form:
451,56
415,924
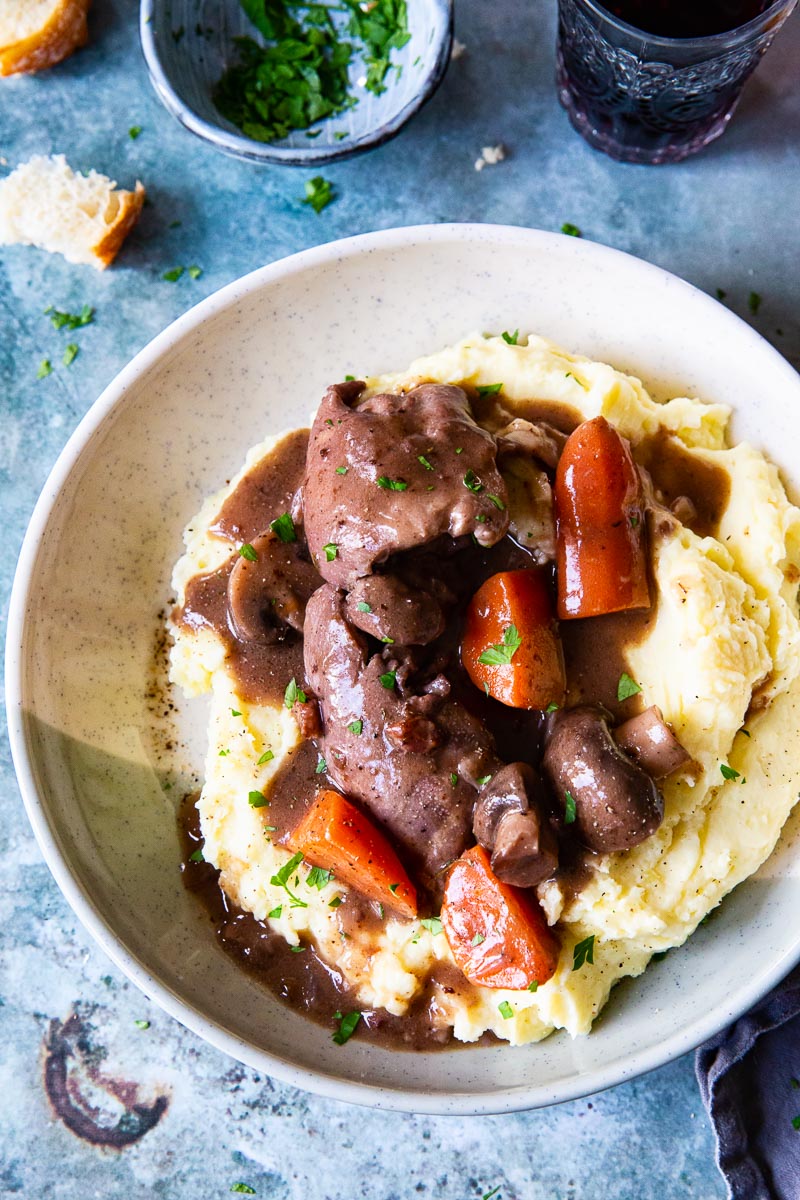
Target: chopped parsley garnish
746,732
347,1027
174,274
489,389
432,924
389,679
472,481
392,485
502,654
721,293
142,1024
570,812
276,912
583,952
421,458
331,550
580,382
45,369
754,302
319,877
235,712
247,551
571,230
484,779
318,193
380,910
335,902
65,320
496,501
627,687
321,766
281,879
283,527
634,520
341,470
266,757
511,338
362,606
70,354
796,1122
224,753
393,887
194,271
134,132
196,856
478,940
244,1188
728,772
459,449
533,986
552,707
795,1083
505,1010
293,694
453,779
257,799
356,727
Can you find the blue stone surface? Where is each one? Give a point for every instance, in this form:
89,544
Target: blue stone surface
727,219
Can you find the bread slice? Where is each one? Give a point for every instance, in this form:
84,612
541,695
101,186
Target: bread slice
35,34
44,203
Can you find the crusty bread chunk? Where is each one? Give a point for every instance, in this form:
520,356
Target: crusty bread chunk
35,34
44,203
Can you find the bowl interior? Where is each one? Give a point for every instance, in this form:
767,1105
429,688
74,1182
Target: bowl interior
188,46
101,756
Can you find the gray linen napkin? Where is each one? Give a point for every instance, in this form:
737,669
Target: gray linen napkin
749,1078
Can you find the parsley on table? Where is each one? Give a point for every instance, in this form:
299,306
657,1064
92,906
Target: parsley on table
331,550
318,877
194,271
283,527
281,879
721,293
502,654
244,1188
318,193
321,766
391,485
796,1122
134,132
505,1009
754,302
511,339
389,679
70,354
293,694
266,757
45,369
257,799
247,551
142,1024
472,481
174,274
583,952
356,727
65,320
489,389
728,772
347,1027
627,687
570,811
490,1195
571,230
433,925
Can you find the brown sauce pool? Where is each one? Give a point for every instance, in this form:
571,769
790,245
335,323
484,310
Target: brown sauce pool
596,654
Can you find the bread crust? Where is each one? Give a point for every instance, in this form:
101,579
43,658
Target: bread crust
64,31
130,208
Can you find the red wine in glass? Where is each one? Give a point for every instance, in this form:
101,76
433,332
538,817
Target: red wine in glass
656,101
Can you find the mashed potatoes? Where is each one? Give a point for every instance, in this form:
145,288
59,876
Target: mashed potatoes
722,661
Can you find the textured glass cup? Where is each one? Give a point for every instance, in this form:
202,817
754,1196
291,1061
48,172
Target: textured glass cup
647,99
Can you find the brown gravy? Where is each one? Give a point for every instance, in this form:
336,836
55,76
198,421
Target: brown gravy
595,653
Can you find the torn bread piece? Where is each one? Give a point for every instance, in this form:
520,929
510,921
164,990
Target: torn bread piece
86,218
36,34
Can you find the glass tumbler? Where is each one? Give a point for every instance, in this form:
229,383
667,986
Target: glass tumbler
644,98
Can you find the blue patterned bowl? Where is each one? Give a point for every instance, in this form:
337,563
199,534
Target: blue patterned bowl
187,50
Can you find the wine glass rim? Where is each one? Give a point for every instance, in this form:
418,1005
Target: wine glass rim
738,33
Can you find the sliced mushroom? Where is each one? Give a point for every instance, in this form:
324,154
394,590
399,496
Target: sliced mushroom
509,820
650,742
270,591
617,804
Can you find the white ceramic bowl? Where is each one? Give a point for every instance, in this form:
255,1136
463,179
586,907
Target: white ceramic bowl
94,572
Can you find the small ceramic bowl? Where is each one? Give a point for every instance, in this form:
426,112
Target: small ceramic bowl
101,759
187,49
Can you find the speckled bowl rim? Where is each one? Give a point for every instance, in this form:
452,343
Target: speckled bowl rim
585,1083
238,146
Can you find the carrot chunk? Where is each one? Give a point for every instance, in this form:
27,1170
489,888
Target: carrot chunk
497,933
511,648
337,836
601,549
